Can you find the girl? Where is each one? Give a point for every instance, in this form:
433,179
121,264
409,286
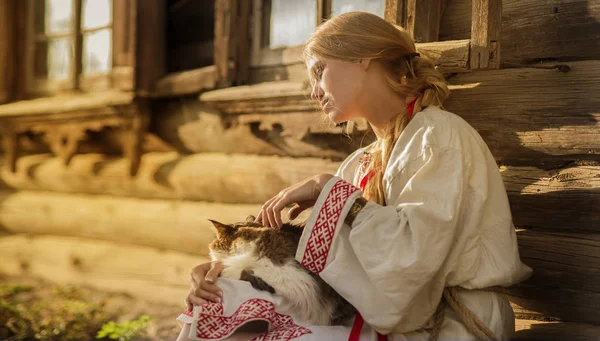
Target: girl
414,229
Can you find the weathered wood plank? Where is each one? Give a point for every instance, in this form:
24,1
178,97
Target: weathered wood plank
225,11
295,72
156,275
247,179
7,49
555,331
66,103
187,82
423,19
566,279
151,42
529,115
564,198
243,33
164,224
485,33
556,29
394,11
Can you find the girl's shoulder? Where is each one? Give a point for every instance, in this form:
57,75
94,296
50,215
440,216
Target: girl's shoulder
435,126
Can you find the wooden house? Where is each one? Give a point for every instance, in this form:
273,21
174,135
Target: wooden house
126,124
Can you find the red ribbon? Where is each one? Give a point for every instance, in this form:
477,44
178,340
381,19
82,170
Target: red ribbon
410,108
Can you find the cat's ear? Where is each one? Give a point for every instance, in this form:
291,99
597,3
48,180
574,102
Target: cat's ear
222,229
250,219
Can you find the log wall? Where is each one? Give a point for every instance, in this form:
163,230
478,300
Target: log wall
220,156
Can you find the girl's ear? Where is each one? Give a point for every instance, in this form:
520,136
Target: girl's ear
222,229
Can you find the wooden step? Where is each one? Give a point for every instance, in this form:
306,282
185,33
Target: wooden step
534,330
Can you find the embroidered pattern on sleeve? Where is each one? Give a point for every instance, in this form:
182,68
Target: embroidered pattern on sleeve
321,237
212,325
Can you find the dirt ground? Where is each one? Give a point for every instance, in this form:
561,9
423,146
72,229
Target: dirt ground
122,307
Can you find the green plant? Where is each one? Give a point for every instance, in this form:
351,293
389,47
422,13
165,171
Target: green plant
48,315
124,331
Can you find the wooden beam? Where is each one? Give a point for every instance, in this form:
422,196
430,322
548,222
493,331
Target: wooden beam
225,11
109,266
423,19
485,34
242,25
323,11
531,116
535,330
571,193
66,103
150,38
200,177
187,82
164,224
123,44
77,37
395,11
8,49
566,278
193,127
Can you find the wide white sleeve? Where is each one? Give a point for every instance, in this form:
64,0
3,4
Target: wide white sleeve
388,264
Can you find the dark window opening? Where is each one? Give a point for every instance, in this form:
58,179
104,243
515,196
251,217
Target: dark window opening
190,34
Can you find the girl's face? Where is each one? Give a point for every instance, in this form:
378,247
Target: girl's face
338,86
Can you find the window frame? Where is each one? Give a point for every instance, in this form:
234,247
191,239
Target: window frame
261,55
77,81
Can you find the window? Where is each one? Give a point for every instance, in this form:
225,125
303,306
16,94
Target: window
281,26
291,23
70,45
376,7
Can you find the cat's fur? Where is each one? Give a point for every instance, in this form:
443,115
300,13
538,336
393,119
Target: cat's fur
265,257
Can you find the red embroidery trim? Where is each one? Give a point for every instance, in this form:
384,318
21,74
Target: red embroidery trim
365,179
212,325
321,236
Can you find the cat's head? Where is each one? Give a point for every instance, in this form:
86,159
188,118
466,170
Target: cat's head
248,236
235,238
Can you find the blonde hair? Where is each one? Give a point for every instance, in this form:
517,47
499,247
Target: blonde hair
356,36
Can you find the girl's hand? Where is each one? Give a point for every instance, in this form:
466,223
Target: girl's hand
202,285
303,195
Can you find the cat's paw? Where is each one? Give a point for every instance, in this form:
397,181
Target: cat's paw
256,282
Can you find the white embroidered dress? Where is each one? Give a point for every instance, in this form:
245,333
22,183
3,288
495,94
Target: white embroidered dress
447,223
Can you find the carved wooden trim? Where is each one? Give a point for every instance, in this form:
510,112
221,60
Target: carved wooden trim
11,147
65,129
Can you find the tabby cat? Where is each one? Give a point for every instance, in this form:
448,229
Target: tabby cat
265,257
